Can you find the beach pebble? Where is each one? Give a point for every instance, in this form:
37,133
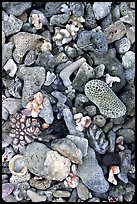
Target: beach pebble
106,21
125,164
17,8
7,189
90,20
61,193
101,9
115,31
47,60
115,12
130,123
11,67
71,51
128,98
124,8
130,33
6,140
129,18
35,197
3,38
86,40
10,198
128,60
73,197
34,157
129,135
56,167
77,8
99,120
11,25
6,52
33,78
91,110
111,136
52,8
5,113
68,149
81,143
82,191
122,45
91,173
128,197
59,19
12,105
80,99
40,184
99,70
24,42
30,58
108,126
85,72
46,112
130,74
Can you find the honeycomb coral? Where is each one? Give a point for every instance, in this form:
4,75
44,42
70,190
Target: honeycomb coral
104,98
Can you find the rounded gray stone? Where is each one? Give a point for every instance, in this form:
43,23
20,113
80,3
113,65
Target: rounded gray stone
99,120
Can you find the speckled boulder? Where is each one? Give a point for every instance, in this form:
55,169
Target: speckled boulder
108,103
101,9
34,157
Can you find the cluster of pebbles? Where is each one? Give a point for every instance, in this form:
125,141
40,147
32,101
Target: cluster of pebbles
68,101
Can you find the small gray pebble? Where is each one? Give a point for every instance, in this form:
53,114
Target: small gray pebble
91,110
123,45
129,135
99,120
108,126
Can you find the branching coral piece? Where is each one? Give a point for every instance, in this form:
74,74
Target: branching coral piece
35,21
82,122
111,79
65,73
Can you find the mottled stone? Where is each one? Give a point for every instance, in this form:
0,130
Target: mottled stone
61,193
56,167
35,197
129,18
34,157
24,42
92,41
33,78
30,58
128,60
82,191
17,8
81,143
91,173
83,75
90,21
111,136
99,120
5,113
6,52
12,105
59,19
68,149
115,31
46,112
129,135
11,25
40,184
91,110
122,45
52,8
101,9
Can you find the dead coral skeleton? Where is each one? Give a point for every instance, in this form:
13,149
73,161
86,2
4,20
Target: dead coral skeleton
82,122
36,104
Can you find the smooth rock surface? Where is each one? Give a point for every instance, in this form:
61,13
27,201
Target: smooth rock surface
91,173
12,105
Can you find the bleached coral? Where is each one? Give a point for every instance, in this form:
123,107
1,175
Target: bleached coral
111,79
64,36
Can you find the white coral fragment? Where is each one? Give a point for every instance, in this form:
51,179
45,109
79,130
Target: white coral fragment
113,170
11,67
110,79
50,77
82,122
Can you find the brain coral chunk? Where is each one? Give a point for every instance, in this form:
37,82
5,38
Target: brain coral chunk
104,98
